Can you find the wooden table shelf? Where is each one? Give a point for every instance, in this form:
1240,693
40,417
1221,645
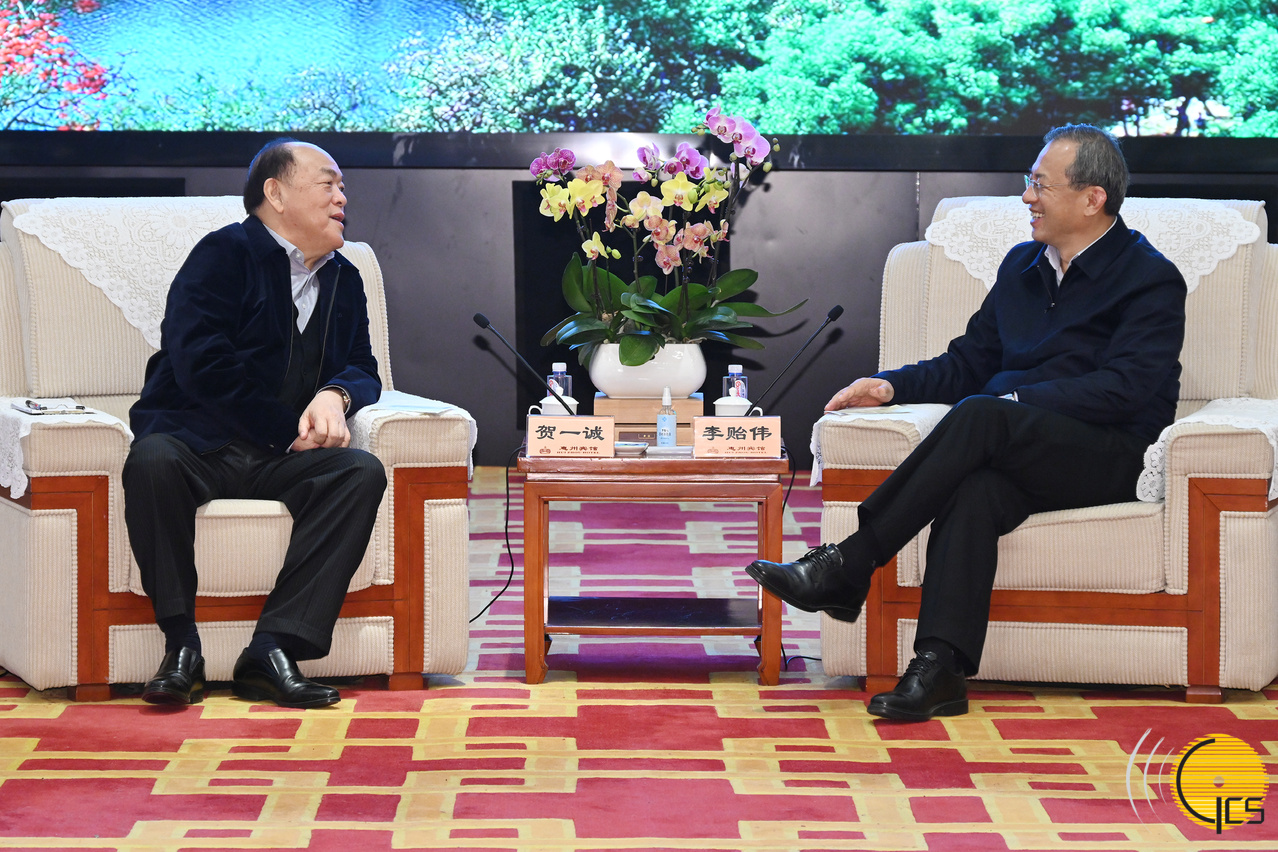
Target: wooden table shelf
653,616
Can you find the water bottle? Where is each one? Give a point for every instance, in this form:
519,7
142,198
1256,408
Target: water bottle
667,421
735,383
559,379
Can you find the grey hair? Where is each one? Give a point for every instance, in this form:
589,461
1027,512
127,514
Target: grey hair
1098,161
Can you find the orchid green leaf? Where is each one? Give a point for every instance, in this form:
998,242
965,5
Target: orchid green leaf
636,349
574,295
750,309
734,283
742,341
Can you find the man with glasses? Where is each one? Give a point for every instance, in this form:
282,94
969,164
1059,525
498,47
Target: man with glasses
1068,371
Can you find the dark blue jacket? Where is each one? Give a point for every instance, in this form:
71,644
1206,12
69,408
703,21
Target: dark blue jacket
226,338
1106,350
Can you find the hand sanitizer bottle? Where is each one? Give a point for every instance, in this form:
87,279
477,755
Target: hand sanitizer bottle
736,384
667,421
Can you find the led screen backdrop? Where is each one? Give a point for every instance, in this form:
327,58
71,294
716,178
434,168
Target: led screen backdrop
897,67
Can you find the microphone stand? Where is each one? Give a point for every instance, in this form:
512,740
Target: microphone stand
482,322
835,313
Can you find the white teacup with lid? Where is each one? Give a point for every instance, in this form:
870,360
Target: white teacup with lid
733,406
550,407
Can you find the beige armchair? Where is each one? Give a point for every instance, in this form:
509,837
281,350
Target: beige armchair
1174,591
82,284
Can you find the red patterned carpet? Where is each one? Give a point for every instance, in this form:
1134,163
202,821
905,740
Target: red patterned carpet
637,745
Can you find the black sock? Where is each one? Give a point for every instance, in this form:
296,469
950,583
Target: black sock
858,553
296,648
949,656
180,632
262,645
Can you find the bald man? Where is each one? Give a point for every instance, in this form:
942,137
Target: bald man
264,353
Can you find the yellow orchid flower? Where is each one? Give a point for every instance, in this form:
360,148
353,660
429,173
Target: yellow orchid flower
645,206
712,195
678,192
554,201
594,247
585,194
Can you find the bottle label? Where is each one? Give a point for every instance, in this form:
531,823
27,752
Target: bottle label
666,425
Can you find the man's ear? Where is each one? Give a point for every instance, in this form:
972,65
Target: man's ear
1096,198
273,191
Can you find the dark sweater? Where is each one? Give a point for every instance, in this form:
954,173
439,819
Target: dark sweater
1105,350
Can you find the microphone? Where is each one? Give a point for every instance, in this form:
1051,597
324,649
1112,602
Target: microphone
835,313
482,322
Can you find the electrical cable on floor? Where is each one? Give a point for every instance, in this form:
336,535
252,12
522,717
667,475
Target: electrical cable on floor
510,553
786,660
794,471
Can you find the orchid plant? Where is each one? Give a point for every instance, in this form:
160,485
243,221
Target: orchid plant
684,225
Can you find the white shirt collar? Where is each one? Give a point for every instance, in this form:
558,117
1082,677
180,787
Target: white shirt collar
304,283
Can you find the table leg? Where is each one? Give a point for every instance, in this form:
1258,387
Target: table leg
770,641
770,537
536,558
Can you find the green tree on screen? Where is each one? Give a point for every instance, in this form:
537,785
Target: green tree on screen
848,66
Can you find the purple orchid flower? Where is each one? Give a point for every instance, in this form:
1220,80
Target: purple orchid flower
554,166
752,146
693,163
649,157
722,126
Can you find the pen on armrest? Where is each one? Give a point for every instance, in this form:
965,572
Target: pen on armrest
33,405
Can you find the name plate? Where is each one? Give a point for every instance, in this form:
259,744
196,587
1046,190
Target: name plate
570,437
736,437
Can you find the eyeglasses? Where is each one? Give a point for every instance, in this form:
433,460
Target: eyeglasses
1036,187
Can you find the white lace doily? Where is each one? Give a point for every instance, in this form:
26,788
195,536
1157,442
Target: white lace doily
14,426
396,402
129,248
1193,233
1260,415
923,416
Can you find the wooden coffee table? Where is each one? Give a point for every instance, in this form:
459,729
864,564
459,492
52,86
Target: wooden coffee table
648,480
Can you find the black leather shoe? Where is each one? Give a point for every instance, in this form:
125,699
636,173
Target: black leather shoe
180,679
928,688
278,680
815,582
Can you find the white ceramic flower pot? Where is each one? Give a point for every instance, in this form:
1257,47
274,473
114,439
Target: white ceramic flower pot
680,366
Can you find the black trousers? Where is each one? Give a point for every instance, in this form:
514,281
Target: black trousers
986,467
332,494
